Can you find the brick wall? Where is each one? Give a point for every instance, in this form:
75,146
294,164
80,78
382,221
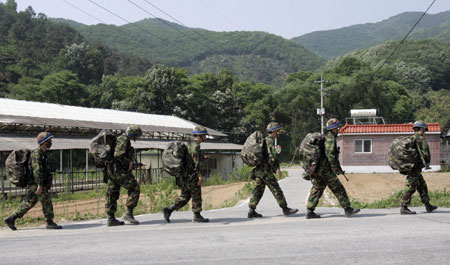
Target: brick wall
380,148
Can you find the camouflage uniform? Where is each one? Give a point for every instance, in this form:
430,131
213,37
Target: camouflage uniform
414,180
42,177
189,186
325,176
122,177
263,175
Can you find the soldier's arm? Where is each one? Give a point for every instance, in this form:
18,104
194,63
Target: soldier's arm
38,172
424,149
330,152
199,159
120,154
273,159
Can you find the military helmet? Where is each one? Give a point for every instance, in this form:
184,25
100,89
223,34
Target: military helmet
200,130
42,137
333,124
420,124
134,131
273,126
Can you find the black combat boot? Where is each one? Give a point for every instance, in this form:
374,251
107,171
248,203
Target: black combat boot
52,225
167,211
405,210
288,211
112,221
349,211
10,220
252,213
430,207
128,216
198,218
311,214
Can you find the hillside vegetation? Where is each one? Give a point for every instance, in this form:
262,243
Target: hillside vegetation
337,42
251,56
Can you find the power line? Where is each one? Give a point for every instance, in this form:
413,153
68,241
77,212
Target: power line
222,15
84,12
161,20
398,45
181,23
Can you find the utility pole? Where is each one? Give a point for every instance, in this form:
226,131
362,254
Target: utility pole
321,111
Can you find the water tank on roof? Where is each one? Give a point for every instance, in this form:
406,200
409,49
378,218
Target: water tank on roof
364,113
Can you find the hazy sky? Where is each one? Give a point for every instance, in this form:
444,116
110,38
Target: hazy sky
287,18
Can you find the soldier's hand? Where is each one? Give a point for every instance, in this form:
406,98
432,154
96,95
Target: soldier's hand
38,190
200,180
130,166
280,175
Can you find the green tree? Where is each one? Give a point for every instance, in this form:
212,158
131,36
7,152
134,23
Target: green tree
62,88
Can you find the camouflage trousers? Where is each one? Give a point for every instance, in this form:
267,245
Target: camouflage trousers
31,200
189,190
126,180
262,178
322,179
415,181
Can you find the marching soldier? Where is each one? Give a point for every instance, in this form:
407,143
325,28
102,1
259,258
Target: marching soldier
38,186
263,175
123,177
326,175
415,180
191,187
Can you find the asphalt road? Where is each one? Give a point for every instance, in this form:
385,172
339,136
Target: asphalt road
371,237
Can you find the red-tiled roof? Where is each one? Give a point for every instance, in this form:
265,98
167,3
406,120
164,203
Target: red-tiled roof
385,128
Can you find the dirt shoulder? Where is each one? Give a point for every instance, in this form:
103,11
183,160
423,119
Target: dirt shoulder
375,186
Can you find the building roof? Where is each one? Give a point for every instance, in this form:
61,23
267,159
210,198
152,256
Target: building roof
433,128
37,113
14,142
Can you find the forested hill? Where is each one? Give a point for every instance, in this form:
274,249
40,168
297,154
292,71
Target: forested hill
257,56
332,43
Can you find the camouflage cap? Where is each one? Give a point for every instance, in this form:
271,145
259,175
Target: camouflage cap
273,126
42,137
333,124
200,130
420,124
134,131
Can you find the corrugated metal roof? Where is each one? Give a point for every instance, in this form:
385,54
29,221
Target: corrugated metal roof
9,143
38,113
385,128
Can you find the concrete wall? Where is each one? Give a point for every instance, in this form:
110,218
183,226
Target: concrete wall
378,158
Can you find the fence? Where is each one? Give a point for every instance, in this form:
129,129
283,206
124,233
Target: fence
79,181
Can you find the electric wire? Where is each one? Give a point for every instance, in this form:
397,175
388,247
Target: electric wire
84,12
400,43
216,11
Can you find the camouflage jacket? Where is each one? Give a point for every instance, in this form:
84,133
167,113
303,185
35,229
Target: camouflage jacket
41,171
197,156
423,149
331,151
272,153
123,153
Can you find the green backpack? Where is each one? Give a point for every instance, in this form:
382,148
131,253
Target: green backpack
403,154
102,148
177,161
252,152
18,167
311,150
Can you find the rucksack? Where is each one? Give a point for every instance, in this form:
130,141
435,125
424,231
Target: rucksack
102,147
18,167
403,153
311,150
252,152
176,160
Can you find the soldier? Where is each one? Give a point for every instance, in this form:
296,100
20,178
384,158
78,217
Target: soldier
326,175
263,175
414,180
191,187
39,185
123,177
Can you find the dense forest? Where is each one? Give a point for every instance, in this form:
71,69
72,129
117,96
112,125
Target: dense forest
338,42
251,56
41,60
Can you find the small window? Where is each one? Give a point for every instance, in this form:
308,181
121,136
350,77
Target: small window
363,146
